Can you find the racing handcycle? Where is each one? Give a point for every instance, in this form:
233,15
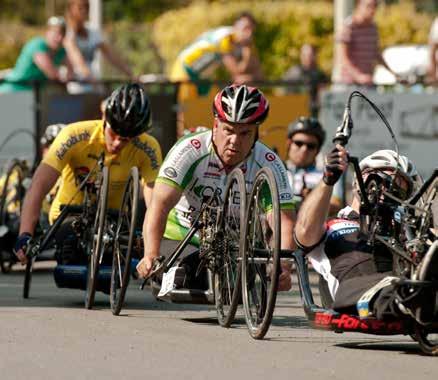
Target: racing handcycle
406,227
107,236
217,230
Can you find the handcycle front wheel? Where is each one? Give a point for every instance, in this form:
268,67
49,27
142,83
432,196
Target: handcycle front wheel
226,279
12,196
260,250
123,243
97,237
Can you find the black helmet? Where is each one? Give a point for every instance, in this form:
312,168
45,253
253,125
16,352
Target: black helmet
128,110
50,133
309,125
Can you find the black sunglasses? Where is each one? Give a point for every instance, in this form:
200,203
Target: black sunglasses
310,146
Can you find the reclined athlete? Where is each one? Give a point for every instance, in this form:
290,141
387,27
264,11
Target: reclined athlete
199,164
121,136
350,266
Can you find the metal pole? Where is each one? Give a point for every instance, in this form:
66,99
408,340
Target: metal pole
95,15
341,9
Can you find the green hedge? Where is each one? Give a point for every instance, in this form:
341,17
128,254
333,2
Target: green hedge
282,28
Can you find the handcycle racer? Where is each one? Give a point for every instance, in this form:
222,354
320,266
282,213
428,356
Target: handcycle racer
359,275
198,165
121,138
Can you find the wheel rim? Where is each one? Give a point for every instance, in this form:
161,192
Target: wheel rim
123,243
227,278
260,254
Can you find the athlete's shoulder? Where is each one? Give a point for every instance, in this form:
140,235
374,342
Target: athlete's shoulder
195,145
149,146
265,156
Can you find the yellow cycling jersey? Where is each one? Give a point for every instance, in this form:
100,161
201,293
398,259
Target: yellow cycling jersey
203,53
75,153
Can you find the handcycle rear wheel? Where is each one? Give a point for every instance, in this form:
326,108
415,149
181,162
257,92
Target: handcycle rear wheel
97,236
226,279
13,184
123,243
260,250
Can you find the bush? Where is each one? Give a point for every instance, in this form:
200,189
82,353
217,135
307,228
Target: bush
282,28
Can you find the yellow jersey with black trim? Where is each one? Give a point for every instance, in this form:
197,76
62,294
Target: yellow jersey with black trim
204,53
75,153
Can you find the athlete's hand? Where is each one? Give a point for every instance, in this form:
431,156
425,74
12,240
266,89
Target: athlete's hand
144,267
21,245
336,162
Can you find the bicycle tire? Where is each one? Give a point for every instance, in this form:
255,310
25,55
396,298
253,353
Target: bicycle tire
126,222
97,236
259,308
7,258
226,281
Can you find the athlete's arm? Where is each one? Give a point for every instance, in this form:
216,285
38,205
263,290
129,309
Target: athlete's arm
147,193
287,219
164,198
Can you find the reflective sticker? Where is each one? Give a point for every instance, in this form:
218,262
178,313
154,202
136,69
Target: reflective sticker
364,301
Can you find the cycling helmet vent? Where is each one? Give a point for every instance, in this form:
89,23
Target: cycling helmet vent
241,104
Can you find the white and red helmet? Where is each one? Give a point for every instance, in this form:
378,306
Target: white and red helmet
241,104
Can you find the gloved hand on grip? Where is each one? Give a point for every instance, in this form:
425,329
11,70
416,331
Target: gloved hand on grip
336,162
21,245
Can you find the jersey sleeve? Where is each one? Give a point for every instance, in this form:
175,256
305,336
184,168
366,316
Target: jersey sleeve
151,165
285,194
180,163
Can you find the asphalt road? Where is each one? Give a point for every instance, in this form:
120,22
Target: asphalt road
52,336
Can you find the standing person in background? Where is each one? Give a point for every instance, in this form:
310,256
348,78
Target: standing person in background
232,46
359,41
82,44
433,48
309,73
39,59
305,139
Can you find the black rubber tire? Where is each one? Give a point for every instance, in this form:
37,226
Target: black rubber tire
268,270
7,259
97,239
123,242
227,293
428,342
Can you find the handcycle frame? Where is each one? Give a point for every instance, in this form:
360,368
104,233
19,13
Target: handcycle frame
86,213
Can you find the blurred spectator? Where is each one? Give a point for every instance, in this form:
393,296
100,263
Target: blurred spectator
82,43
305,139
433,48
359,41
308,72
39,59
230,45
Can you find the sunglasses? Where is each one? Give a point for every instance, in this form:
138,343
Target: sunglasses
310,146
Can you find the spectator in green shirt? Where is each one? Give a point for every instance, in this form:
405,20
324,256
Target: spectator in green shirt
39,59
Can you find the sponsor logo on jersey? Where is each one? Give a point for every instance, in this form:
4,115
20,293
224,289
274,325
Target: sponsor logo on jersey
211,174
270,156
176,159
72,140
196,143
150,152
212,164
170,172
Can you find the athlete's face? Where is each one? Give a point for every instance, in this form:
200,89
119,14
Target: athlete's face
303,149
233,141
114,143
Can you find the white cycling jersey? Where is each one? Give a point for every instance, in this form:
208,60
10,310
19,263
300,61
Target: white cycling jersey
193,166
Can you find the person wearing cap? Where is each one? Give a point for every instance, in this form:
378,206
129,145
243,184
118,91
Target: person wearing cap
40,59
198,165
121,138
304,141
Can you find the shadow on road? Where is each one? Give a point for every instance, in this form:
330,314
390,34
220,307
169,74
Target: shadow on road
410,348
